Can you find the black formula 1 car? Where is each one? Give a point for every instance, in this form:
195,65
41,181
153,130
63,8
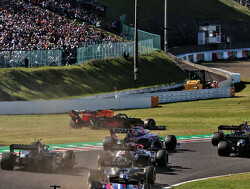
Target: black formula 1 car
237,142
120,172
136,154
108,119
141,136
36,157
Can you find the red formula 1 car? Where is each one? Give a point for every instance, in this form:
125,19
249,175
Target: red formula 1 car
108,119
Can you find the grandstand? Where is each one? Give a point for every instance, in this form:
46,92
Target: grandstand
56,32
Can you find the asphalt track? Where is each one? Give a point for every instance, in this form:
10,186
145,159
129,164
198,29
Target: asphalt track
190,161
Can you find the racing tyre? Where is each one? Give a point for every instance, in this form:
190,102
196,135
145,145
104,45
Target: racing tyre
50,164
143,161
108,143
145,142
98,125
74,125
147,186
149,124
94,185
151,174
216,138
69,159
162,158
170,142
7,161
102,157
224,148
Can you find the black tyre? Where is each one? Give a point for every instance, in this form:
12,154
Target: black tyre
7,162
93,179
98,125
145,142
74,125
162,158
147,186
50,164
151,174
224,148
69,159
149,124
216,138
101,158
143,161
170,142
108,143
94,185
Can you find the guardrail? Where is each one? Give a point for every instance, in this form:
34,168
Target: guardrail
187,95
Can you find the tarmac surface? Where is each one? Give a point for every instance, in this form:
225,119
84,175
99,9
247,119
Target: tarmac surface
190,161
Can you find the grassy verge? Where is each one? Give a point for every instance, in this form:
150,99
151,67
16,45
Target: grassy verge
237,181
182,118
94,77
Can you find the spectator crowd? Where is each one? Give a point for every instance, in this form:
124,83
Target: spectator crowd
50,24
245,3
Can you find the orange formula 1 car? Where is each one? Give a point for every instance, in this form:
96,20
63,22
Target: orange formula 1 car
108,119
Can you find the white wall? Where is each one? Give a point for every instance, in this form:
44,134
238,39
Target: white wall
63,106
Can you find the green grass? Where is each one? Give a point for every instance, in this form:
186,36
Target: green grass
181,118
237,181
94,77
147,9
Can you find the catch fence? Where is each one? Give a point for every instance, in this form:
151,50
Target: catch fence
58,57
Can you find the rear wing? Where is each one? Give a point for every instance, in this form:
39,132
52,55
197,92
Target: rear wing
23,147
159,128
227,127
238,137
125,164
121,147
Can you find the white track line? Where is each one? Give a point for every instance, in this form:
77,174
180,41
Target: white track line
197,180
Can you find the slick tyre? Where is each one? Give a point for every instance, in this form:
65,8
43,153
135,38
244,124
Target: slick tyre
74,125
216,138
101,158
94,185
108,143
224,148
69,159
151,174
50,164
149,124
7,162
170,142
162,158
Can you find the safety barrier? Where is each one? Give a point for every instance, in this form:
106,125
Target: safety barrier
63,106
215,55
58,57
178,96
112,50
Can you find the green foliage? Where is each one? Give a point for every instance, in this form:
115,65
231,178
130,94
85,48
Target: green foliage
147,9
94,77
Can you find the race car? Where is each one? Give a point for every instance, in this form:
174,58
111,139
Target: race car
135,153
121,172
108,119
237,142
142,136
36,157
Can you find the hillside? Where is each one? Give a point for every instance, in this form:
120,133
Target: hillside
94,77
184,18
